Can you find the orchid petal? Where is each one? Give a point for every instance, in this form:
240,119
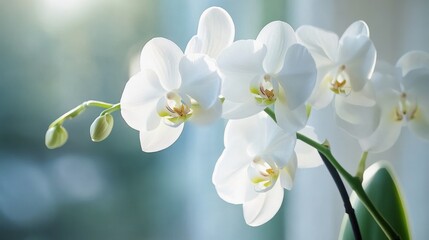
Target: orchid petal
358,55
234,110
262,208
200,80
139,100
388,130
280,144
290,120
277,36
215,32
239,64
206,116
194,46
385,77
416,84
298,75
358,120
230,175
355,29
287,174
308,156
322,94
160,138
323,45
162,56
413,60
419,125
245,131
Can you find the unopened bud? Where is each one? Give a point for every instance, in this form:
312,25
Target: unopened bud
101,128
56,136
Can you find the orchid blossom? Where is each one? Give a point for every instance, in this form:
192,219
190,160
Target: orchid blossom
170,89
272,70
403,99
258,162
344,67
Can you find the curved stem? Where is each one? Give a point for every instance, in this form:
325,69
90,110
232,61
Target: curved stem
80,108
354,182
344,196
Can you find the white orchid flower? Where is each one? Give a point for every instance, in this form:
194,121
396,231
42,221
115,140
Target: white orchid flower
344,67
258,162
215,32
402,94
271,70
170,89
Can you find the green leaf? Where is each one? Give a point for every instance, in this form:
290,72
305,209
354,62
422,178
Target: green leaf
381,187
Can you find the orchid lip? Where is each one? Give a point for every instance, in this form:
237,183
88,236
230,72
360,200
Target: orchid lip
264,90
339,81
175,111
263,174
406,108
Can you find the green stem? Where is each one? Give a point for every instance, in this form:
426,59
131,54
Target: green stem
114,108
354,182
80,108
361,166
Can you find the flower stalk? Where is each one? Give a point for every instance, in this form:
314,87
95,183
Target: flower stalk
354,182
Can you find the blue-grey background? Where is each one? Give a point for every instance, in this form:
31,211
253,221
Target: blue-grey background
55,54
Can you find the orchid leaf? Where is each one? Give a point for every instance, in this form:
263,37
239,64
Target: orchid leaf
382,188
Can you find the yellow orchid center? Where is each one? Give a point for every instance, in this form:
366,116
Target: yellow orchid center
406,108
263,175
339,81
264,91
175,111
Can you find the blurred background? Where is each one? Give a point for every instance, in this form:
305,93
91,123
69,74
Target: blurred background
55,54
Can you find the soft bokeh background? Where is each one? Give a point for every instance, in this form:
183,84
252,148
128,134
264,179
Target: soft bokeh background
55,54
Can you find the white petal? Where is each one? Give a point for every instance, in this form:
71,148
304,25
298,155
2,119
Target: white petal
322,44
230,175
277,36
234,110
412,60
290,120
139,100
416,85
160,138
194,45
244,131
355,29
385,77
206,116
308,157
162,56
388,130
358,54
239,64
261,209
322,94
200,79
287,174
280,144
298,75
215,32
360,121
419,125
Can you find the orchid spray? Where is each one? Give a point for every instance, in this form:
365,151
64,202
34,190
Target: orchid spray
266,88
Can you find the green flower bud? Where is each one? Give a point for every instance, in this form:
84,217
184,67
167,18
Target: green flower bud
56,136
101,128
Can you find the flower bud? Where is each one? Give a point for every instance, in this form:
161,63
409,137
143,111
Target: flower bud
101,127
56,136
